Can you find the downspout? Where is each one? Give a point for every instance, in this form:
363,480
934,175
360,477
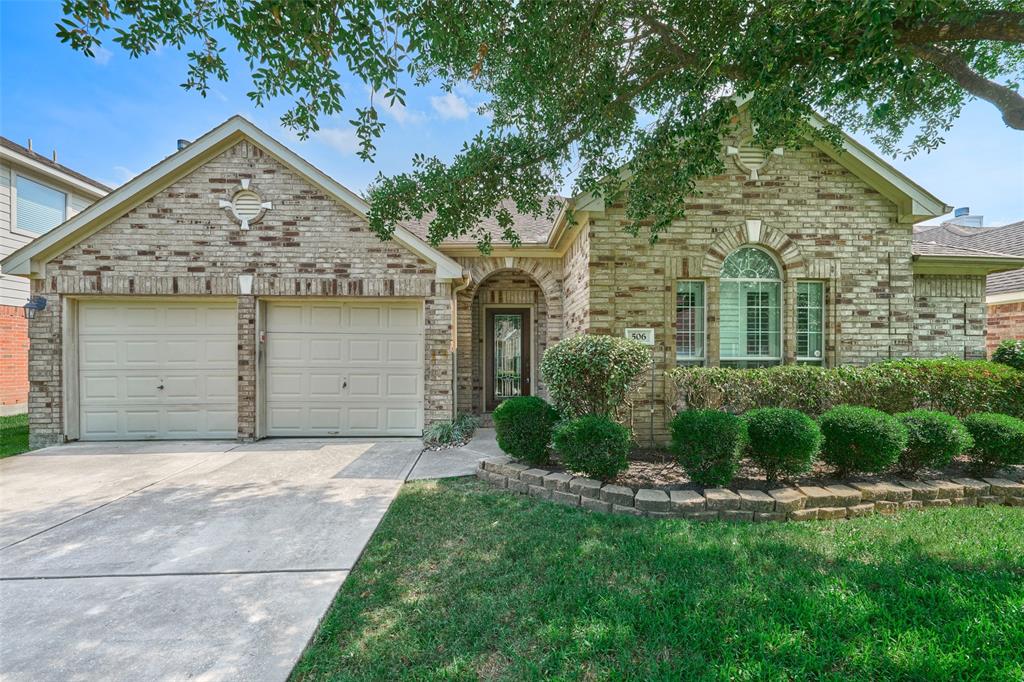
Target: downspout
454,345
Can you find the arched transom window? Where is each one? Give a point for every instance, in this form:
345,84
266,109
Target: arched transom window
750,309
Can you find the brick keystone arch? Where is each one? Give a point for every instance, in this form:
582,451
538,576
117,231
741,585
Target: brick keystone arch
754,232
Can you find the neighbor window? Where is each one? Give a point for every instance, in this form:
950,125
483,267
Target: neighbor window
690,322
750,317
810,322
39,208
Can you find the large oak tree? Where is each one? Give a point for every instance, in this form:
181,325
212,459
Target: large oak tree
630,97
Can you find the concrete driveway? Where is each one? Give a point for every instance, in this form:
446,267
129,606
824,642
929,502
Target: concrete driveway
174,561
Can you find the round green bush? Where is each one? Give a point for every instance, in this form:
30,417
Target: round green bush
523,428
998,439
1010,352
782,441
592,374
708,445
861,439
933,440
593,445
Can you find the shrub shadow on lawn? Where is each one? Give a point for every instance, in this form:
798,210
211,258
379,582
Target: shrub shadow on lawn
461,581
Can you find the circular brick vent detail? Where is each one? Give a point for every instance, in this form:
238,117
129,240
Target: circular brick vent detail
246,205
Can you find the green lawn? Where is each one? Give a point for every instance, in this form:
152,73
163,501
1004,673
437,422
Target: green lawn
464,582
13,435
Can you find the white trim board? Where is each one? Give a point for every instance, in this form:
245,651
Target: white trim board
31,259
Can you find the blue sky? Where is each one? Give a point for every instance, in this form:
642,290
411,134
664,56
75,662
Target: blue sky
112,117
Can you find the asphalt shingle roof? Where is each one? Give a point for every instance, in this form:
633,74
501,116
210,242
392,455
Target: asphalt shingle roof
1006,240
35,156
531,229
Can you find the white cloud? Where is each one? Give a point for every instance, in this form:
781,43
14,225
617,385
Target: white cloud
342,140
121,176
450,105
102,55
402,114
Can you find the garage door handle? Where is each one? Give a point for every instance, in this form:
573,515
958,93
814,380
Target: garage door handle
344,384
160,387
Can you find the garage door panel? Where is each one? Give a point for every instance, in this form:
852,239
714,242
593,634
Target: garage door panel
344,368
156,369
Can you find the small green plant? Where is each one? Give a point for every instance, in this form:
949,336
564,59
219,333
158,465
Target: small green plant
454,432
933,440
593,445
782,441
523,428
861,439
592,374
708,445
998,440
1010,352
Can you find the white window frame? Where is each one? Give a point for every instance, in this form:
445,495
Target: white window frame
780,282
692,360
14,203
824,321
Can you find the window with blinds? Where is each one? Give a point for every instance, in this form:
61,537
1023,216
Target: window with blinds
810,322
39,208
690,322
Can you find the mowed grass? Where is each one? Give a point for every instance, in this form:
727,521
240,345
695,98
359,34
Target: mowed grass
13,435
464,582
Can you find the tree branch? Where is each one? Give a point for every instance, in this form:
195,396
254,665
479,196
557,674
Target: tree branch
1003,98
997,25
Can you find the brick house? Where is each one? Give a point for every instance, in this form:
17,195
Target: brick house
1004,291
234,290
36,195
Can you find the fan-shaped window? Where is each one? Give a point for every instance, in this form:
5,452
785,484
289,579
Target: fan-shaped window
750,309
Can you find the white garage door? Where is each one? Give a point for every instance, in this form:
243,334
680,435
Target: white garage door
155,369
347,368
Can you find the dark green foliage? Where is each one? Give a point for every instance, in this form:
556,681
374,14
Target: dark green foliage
708,445
1010,352
782,441
998,440
933,440
451,432
592,374
958,387
593,445
523,428
861,439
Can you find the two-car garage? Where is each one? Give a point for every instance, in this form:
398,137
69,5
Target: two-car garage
154,368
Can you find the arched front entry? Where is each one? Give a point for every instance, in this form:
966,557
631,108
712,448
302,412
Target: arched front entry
507,319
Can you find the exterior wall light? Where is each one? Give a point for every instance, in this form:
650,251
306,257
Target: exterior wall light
34,305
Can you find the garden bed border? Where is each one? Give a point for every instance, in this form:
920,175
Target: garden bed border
785,503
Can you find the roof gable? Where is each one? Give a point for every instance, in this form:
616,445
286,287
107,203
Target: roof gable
30,259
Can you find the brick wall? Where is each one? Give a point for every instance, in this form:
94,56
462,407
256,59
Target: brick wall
949,315
181,242
1005,321
576,285
13,360
821,222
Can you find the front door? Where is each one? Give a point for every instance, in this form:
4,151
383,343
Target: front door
508,354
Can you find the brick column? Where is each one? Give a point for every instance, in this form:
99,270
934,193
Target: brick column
246,368
45,362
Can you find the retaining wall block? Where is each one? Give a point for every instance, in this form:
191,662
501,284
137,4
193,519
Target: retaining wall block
661,514
539,491
497,480
736,515
686,500
492,463
938,502
810,514
703,515
755,501
887,506
858,510
986,500
844,495
1015,501
512,469
787,499
595,505
720,499
947,489
817,496
518,486
1005,488
972,487
482,473
768,517
648,499
618,495
621,509
826,513
533,476
921,491
963,501
566,498
558,481
585,487
911,504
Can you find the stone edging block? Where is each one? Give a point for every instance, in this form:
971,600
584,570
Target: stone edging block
800,503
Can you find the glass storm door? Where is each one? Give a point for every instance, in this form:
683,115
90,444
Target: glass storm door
508,354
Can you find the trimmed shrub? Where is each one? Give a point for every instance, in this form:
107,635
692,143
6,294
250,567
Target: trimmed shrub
523,428
782,441
1010,352
933,440
592,374
998,440
958,387
708,445
861,439
453,432
593,445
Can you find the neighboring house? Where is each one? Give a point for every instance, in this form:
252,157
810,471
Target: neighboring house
1004,292
36,195
234,290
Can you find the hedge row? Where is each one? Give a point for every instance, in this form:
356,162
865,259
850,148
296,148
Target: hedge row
959,387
